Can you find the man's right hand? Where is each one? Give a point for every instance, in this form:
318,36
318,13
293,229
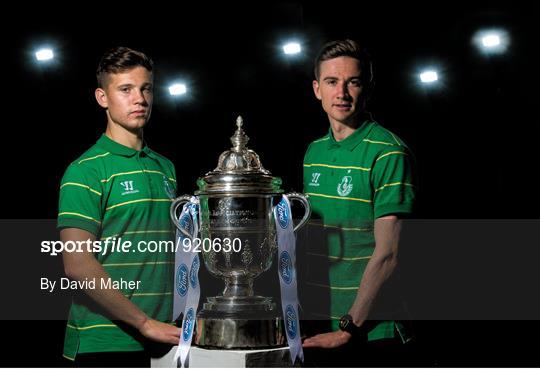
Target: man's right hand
83,265
160,332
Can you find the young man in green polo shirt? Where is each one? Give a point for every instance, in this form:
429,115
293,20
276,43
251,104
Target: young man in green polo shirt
119,190
360,183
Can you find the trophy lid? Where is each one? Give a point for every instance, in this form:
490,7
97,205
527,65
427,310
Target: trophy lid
239,170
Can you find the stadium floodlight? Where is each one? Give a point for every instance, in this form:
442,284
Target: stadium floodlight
429,76
44,54
292,48
494,41
490,41
177,89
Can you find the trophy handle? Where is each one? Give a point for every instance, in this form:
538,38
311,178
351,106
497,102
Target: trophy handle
181,200
303,199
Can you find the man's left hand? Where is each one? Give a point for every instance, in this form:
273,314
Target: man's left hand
328,340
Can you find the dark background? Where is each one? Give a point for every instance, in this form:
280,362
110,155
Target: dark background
475,137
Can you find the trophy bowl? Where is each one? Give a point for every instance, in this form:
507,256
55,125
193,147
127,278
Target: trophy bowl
238,243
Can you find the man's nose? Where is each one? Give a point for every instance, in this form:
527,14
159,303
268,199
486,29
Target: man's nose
343,91
140,98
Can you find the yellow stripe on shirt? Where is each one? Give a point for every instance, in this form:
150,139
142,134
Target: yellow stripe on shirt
342,228
322,139
92,326
336,166
394,184
138,264
95,157
150,294
339,257
79,215
135,172
391,153
332,287
378,142
338,197
139,232
81,185
136,201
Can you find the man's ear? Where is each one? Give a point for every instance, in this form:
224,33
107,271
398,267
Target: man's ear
101,98
316,89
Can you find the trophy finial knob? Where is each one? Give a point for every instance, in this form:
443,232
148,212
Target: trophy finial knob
240,139
239,159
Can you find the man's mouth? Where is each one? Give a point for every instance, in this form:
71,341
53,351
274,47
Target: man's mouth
343,106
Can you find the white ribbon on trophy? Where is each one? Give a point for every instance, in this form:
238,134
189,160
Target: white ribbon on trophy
287,276
181,273
187,290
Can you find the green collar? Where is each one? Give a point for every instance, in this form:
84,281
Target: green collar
114,147
353,140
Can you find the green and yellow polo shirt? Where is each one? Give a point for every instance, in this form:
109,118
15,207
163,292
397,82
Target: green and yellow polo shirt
118,192
351,183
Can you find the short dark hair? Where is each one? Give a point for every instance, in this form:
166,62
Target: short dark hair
351,48
120,59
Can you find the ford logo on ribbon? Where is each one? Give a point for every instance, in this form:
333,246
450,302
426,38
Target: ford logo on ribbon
186,222
193,272
182,280
283,214
285,267
290,322
193,208
188,325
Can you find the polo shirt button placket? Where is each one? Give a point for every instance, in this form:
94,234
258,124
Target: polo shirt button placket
141,156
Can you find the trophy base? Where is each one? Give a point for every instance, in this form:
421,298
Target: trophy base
239,306
235,334
239,326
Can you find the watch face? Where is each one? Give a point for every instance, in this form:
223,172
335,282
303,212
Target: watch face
344,323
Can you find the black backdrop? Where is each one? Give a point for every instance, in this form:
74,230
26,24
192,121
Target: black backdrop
474,137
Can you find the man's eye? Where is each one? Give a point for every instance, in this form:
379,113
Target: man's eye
355,82
125,89
331,82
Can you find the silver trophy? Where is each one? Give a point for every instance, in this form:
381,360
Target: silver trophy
236,207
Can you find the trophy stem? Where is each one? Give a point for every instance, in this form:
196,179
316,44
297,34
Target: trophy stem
238,286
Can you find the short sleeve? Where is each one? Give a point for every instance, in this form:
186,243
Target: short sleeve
80,200
393,183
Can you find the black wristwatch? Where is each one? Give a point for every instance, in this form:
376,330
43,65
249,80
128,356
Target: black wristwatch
346,324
